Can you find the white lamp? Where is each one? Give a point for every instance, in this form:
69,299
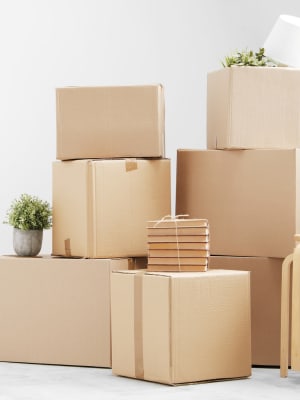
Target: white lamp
283,43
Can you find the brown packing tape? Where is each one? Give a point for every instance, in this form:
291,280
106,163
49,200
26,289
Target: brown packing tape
91,248
138,326
130,263
67,248
130,164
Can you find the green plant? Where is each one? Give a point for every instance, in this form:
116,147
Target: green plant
29,213
248,58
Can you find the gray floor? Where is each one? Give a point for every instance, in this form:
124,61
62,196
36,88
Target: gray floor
29,381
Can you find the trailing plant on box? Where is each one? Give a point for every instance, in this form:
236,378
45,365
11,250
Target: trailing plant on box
29,213
249,58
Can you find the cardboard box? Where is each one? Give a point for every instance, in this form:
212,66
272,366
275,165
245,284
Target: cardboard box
181,327
250,198
265,277
107,122
56,310
101,207
253,107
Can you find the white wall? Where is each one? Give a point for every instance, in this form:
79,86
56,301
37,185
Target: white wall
51,43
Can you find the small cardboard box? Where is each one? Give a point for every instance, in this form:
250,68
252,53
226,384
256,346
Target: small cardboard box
101,207
108,122
250,198
179,328
265,276
56,310
253,107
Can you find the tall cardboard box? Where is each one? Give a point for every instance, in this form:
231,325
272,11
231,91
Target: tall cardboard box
101,207
265,277
56,310
250,198
183,327
106,122
253,107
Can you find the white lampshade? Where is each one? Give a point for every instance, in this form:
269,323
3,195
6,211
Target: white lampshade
283,43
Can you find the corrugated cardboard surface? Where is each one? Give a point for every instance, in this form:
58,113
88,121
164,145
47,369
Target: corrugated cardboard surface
56,311
104,122
265,303
101,207
250,198
181,327
253,107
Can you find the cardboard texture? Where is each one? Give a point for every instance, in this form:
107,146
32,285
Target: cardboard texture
250,198
253,107
179,328
107,122
56,310
101,207
265,277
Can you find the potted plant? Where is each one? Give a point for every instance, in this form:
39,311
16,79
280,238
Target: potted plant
248,58
29,216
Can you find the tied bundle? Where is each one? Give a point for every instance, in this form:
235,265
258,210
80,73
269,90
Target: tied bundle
178,244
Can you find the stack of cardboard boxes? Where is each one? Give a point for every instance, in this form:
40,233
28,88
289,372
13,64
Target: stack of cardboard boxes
113,176
85,304
109,179
166,324
247,185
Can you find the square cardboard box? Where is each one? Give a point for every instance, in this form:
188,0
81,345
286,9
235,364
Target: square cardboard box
253,107
101,207
183,327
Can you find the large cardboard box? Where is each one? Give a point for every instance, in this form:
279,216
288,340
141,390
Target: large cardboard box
106,122
101,207
265,277
181,327
250,198
253,107
56,310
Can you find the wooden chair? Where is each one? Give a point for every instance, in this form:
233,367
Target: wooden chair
290,288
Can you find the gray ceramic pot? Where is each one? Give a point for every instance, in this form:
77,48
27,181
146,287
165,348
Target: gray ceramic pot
27,243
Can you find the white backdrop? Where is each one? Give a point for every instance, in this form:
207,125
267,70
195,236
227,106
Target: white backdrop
49,43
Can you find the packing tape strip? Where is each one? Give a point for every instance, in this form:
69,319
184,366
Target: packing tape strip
68,247
138,325
130,164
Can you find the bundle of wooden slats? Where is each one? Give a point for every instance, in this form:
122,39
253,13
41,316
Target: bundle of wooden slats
178,244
